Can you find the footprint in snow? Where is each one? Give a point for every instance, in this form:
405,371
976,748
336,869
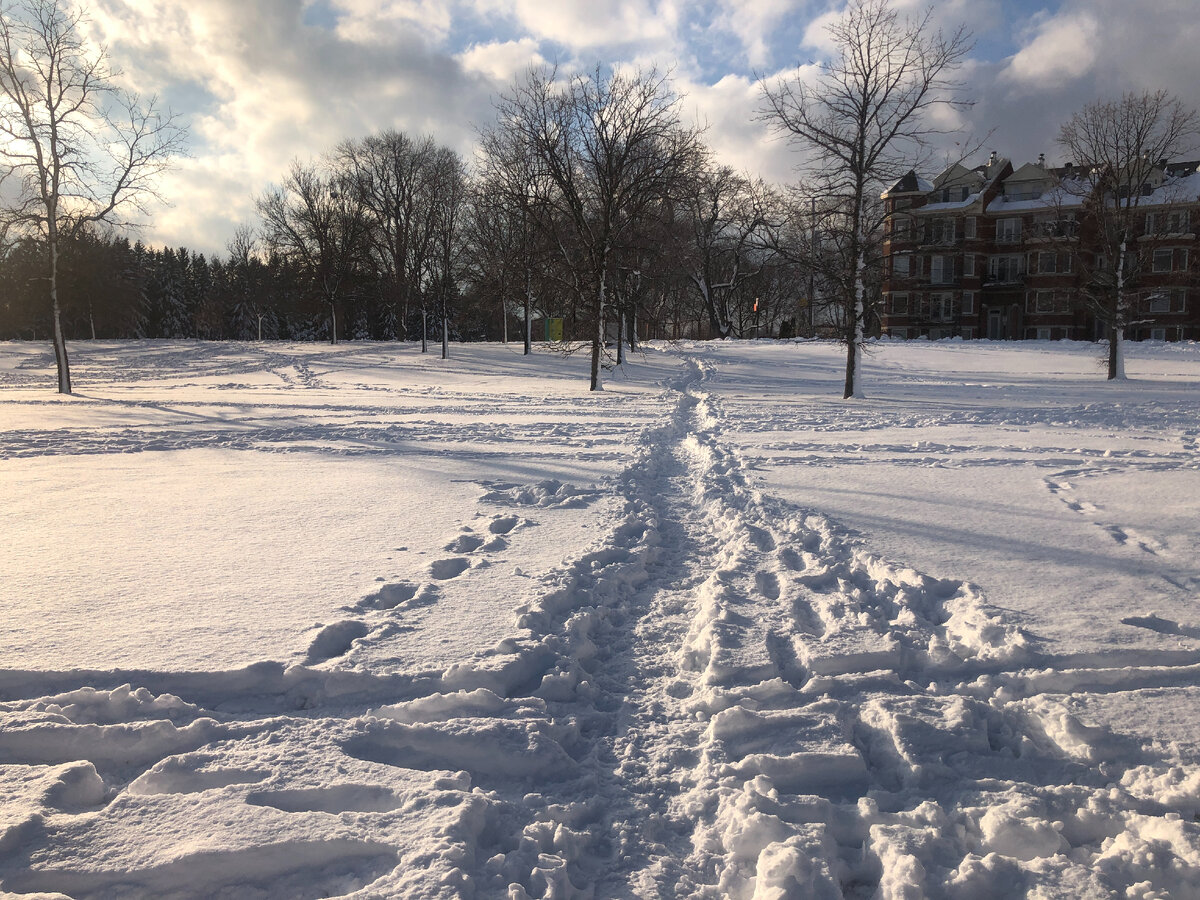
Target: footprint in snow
792,559
389,596
465,543
335,640
767,584
445,569
503,524
761,538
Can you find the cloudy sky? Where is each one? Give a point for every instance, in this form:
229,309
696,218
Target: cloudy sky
261,82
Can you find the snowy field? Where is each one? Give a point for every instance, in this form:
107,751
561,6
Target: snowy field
303,621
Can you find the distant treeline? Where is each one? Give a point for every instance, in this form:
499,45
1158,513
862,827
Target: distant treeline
388,234
110,288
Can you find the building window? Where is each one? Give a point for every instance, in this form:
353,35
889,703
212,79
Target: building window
1043,334
899,304
941,269
1170,300
941,231
1005,269
898,332
1008,231
1047,302
1158,334
1175,221
900,266
969,265
968,303
968,333
939,308
969,227
1164,259
1050,262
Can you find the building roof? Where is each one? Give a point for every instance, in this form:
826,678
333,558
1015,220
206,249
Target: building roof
909,183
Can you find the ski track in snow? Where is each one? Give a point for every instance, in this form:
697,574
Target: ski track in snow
724,696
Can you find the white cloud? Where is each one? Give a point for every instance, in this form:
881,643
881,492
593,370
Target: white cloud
262,83
729,109
502,61
753,23
586,24
376,21
1063,46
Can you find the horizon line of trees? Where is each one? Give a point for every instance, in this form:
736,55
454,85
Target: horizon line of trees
392,237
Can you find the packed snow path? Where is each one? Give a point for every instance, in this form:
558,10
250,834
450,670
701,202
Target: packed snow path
722,695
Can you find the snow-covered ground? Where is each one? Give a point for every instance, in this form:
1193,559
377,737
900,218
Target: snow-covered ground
309,621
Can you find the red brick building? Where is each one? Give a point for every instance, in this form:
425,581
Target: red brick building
994,252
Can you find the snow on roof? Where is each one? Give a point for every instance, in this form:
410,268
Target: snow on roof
1051,199
952,204
1185,189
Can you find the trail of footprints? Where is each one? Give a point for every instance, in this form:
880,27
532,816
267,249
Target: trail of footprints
86,761
1061,487
379,608
827,725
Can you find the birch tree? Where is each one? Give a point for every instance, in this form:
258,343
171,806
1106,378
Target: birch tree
862,120
79,149
1120,149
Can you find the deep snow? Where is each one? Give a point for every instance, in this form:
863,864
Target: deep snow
306,621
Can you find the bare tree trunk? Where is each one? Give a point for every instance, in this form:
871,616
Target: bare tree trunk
424,331
528,314
333,322
445,333
598,339
1116,328
620,337
60,342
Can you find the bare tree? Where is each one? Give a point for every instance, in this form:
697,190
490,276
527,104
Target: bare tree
449,197
393,174
81,149
612,145
509,207
864,123
1120,150
318,220
727,215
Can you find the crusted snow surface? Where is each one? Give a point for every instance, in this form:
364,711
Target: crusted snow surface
624,657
